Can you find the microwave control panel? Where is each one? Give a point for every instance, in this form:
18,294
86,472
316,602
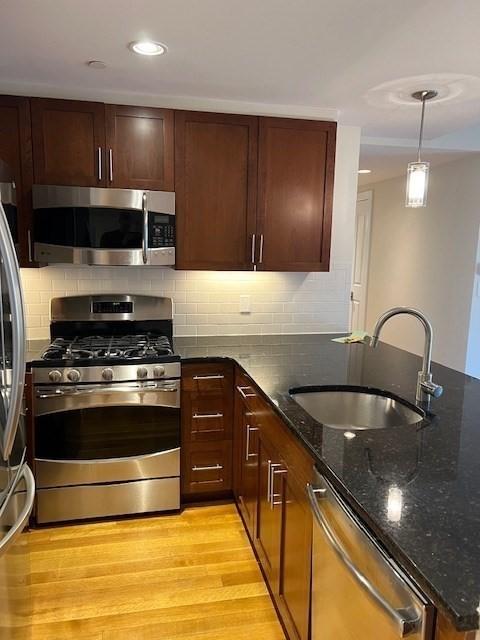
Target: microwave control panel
161,230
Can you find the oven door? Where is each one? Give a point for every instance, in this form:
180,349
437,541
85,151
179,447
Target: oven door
98,226
99,433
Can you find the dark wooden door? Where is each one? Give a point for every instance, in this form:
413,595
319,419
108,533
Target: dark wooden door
16,152
294,583
139,147
248,459
295,194
271,496
215,186
68,142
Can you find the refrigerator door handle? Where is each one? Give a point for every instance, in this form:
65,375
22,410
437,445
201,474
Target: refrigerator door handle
406,622
14,286
24,515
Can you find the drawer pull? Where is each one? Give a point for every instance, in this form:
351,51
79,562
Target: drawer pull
216,376
241,391
199,416
249,455
213,467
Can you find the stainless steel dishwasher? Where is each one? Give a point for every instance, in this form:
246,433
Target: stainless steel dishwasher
358,591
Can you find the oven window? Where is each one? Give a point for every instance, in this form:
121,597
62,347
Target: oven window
106,432
92,227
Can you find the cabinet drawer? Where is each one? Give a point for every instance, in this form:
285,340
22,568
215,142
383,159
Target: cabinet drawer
207,377
207,467
246,390
207,402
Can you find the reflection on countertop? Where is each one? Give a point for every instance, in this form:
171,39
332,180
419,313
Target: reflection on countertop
417,487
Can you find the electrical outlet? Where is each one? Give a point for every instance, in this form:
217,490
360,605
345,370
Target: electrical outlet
245,304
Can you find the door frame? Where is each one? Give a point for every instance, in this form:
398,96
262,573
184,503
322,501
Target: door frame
363,196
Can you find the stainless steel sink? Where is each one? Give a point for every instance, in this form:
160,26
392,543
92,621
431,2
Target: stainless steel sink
354,409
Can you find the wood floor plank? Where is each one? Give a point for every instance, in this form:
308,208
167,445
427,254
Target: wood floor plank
184,576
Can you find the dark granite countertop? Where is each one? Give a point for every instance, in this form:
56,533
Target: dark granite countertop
417,488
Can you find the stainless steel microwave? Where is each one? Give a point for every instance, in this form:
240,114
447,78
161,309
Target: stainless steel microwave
99,226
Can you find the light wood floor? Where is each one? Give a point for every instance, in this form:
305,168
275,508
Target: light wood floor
191,575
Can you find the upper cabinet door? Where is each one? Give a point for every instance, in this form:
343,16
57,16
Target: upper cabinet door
68,142
295,194
215,186
16,152
139,147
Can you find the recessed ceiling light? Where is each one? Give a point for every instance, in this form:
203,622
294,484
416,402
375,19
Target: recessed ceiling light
147,48
349,435
364,171
96,64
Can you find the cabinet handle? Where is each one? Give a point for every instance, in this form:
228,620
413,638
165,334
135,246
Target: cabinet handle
200,416
99,160
29,241
110,165
145,228
217,376
245,395
269,478
249,455
213,467
274,495
260,257
253,249
271,468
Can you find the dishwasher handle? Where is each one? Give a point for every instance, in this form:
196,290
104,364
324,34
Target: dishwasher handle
406,621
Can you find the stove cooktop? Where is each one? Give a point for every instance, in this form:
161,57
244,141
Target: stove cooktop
97,350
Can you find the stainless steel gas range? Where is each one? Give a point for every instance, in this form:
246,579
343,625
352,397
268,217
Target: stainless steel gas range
107,409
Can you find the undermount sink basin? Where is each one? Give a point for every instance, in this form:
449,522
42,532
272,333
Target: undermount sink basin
355,409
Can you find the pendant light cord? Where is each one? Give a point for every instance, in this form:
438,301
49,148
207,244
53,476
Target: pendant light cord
420,137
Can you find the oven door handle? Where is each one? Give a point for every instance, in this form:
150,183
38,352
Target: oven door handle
77,392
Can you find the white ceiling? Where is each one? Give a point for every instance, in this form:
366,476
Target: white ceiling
299,57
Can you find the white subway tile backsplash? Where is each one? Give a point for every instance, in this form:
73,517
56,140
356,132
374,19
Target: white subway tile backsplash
205,302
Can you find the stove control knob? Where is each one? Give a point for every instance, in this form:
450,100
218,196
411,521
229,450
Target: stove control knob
107,374
73,375
158,371
142,372
55,375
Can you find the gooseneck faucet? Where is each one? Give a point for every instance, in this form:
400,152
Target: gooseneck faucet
426,388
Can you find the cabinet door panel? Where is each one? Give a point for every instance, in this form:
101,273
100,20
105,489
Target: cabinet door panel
16,151
270,512
140,140
215,184
294,589
68,142
295,193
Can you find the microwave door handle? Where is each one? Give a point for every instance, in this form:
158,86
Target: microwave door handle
145,228
405,623
24,515
14,288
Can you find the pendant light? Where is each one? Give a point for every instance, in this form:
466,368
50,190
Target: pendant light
417,172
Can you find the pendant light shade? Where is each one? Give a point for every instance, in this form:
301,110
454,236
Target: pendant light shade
417,184
417,172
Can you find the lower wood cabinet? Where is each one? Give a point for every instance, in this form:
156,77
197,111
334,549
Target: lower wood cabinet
271,470
270,510
207,415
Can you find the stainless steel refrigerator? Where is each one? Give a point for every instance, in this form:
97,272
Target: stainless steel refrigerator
17,487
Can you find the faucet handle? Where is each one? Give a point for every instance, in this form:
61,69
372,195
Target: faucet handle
431,388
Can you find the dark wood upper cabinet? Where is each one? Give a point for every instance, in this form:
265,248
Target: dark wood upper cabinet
295,194
16,152
68,142
215,186
139,147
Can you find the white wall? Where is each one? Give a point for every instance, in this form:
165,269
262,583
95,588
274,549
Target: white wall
426,258
207,303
